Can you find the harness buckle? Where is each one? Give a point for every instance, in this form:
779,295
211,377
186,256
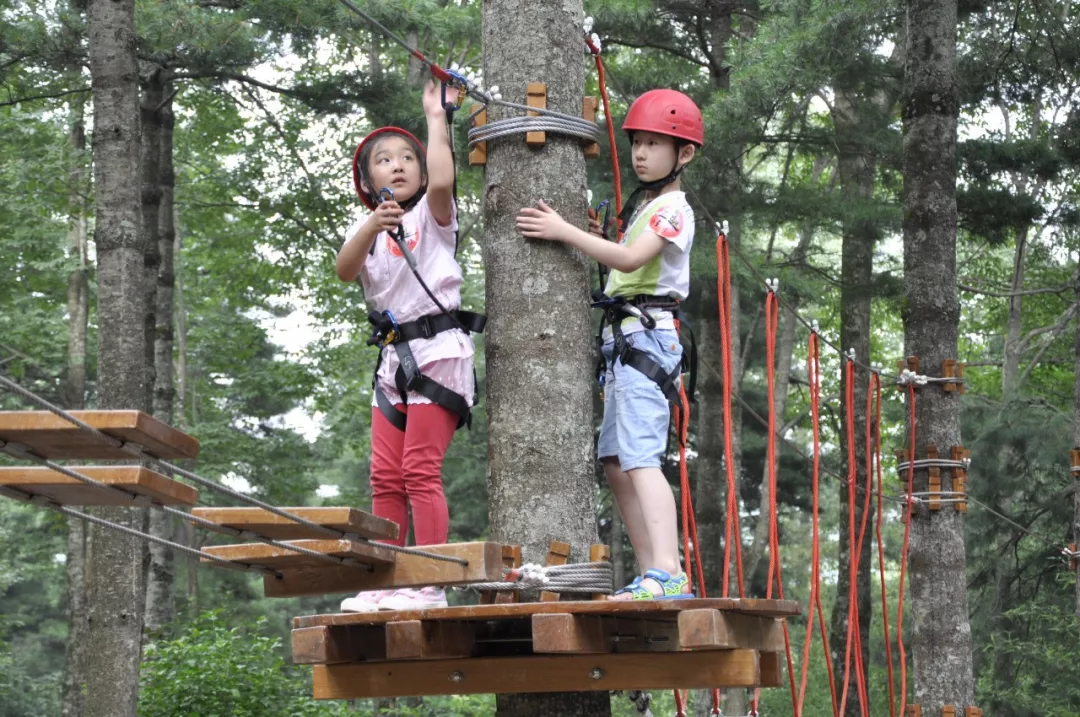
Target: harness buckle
426,326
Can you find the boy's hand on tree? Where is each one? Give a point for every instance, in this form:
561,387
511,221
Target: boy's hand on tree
541,222
387,216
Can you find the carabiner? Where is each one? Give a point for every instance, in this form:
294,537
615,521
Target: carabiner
459,83
606,206
386,194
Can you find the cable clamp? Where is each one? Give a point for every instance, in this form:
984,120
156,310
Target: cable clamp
773,285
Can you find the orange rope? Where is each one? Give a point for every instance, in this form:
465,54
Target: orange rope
854,633
904,555
732,532
602,77
813,372
772,319
875,380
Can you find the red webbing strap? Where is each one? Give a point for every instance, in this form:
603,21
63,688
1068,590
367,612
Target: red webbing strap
732,533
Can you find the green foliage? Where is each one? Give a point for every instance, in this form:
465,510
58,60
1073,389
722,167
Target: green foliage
217,669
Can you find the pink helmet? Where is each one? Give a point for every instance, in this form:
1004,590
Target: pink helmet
668,112
358,171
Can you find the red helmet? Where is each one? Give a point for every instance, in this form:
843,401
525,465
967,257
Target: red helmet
357,172
667,112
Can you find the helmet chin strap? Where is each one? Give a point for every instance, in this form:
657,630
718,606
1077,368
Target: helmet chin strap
635,197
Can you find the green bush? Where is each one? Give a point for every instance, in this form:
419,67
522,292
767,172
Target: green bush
214,669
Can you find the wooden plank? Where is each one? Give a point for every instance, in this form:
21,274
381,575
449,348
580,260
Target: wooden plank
716,630
546,673
511,558
427,640
50,436
263,522
407,570
274,557
478,154
37,480
563,633
558,554
645,609
589,107
772,673
536,97
331,645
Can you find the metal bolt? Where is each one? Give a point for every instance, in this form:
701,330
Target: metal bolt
457,676
597,673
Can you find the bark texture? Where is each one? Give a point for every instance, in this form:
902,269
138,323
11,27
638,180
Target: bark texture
941,644
1076,439
115,569
539,370
161,578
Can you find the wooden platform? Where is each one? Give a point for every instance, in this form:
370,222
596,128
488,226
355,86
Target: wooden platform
306,575
263,522
545,647
50,436
37,480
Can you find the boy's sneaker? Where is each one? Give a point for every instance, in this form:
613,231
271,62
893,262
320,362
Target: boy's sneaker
408,599
364,602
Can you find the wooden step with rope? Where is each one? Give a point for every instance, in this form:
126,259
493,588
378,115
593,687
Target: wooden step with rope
50,436
379,567
65,490
736,643
346,520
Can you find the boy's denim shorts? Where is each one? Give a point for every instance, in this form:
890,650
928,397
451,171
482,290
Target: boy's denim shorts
636,412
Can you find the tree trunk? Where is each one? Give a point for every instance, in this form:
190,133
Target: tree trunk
161,578
181,323
115,570
1076,438
942,654
78,315
856,170
150,160
541,463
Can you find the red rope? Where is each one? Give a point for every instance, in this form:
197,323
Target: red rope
854,633
875,380
813,372
732,532
772,319
904,555
602,77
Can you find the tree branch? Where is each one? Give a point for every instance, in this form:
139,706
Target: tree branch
649,46
58,95
1023,292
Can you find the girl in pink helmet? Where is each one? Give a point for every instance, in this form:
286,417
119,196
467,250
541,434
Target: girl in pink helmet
650,275
424,385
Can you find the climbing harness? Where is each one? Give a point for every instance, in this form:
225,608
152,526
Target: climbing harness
388,332
618,308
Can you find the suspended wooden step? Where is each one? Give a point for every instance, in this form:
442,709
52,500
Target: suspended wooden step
307,575
347,520
545,647
50,436
36,480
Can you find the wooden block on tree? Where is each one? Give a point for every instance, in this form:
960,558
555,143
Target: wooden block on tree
263,522
65,490
406,570
914,711
589,107
959,479
560,673
948,711
279,558
934,480
948,370
50,436
564,633
558,554
716,630
331,645
1074,464
536,97
429,640
599,553
772,673
972,712
478,154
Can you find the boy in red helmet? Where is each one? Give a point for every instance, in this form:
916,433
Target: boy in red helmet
424,384
650,274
